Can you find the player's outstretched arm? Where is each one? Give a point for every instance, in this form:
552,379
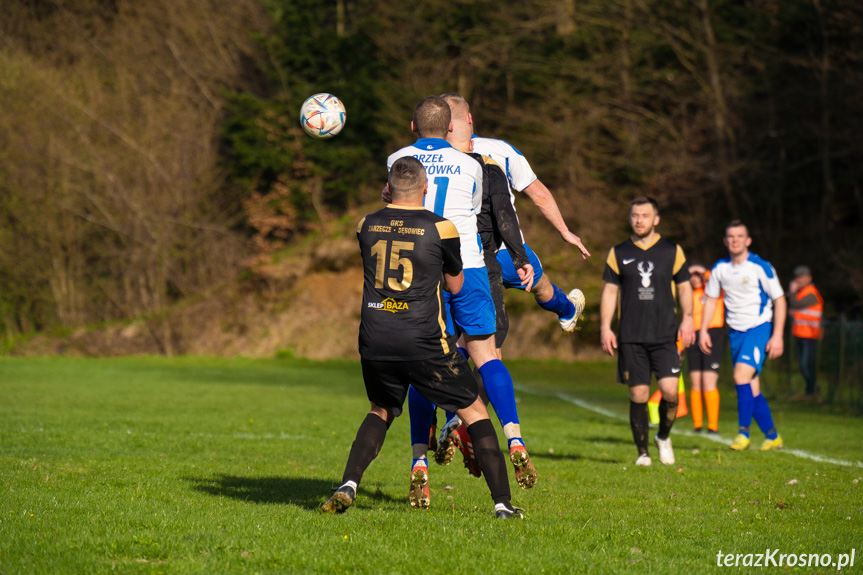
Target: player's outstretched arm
776,344
506,222
541,196
704,340
686,331
503,214
607,306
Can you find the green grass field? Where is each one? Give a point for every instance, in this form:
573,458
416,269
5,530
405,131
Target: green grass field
203,465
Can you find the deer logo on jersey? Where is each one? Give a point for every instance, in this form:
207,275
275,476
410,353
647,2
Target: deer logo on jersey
645,273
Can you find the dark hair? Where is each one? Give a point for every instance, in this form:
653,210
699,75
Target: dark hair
641,200
432,117
407,175
736,224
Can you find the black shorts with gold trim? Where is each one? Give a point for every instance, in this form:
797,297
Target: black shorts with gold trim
446,380
637,361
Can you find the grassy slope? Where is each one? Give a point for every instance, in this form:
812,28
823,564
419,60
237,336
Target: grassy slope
203,465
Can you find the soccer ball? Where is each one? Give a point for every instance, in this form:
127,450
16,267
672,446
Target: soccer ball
322,116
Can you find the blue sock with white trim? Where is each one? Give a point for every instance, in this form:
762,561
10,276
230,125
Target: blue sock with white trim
449,417
763,417
559,304
745,405
500,391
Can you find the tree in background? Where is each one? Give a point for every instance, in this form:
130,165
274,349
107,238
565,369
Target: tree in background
149,151
292,183
112,203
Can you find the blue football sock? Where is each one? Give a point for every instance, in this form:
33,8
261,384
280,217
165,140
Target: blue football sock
559,304
745,404
511,440
762,416
421,412
498,387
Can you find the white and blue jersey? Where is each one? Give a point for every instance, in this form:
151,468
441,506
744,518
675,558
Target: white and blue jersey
454,192
750,288
513,162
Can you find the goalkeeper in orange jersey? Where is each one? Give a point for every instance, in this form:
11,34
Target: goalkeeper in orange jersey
704,367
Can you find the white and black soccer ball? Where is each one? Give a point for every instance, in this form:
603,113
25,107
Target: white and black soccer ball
322,116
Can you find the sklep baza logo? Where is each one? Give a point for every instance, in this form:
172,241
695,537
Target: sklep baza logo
389,305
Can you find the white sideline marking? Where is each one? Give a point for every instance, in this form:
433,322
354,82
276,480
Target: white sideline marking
718,439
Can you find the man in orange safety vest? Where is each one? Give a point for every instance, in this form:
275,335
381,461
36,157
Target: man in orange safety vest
806,306
704,367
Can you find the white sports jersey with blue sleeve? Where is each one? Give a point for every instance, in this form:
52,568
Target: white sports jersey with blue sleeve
750,289
454,191
517,169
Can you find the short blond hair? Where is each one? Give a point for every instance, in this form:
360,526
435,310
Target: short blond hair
459,106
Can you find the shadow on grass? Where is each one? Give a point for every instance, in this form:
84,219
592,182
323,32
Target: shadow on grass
571,457
607,439
304,492
690,442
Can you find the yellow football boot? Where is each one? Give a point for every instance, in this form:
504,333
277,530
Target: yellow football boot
740,443
772,444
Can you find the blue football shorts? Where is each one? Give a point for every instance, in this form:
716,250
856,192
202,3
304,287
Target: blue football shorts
748,346
510,275
471,308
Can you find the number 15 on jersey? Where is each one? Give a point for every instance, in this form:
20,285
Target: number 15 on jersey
398,260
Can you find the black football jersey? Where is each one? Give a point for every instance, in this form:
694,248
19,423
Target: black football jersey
405,252
647,279
496,222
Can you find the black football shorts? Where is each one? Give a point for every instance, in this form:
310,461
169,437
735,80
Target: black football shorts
495,283
637,361
446,380
699,361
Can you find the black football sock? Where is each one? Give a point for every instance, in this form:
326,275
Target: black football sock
667,415
367,445
490,460
638,420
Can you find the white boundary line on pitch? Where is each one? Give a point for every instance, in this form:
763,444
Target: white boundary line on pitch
608,413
